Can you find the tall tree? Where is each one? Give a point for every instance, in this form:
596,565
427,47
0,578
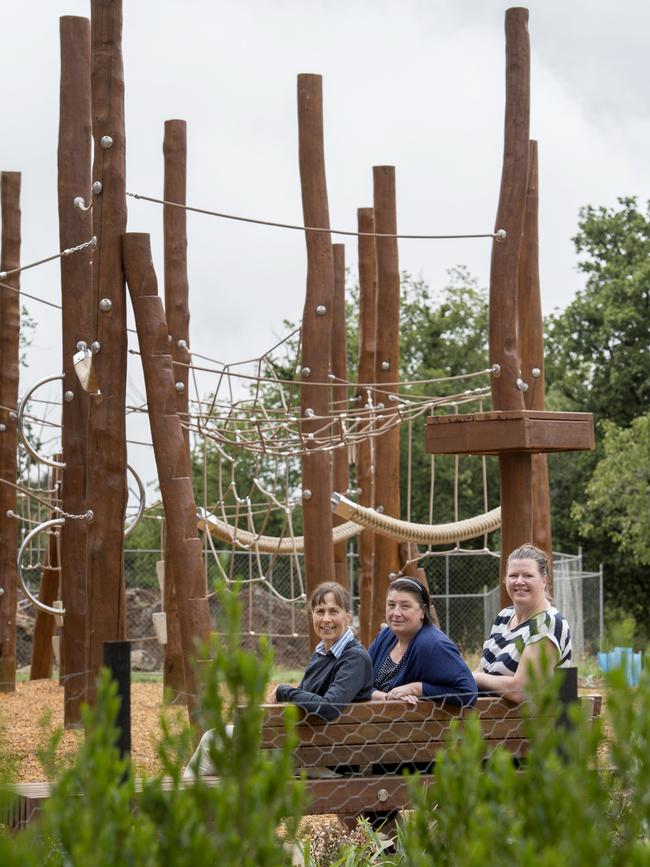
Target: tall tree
598,347
598,360
617,505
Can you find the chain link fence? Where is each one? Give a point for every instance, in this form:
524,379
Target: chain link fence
464,589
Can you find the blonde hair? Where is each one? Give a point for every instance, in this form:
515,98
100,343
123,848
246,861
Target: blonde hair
528,551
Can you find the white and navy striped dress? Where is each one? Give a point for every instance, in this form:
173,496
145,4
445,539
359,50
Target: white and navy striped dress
502,651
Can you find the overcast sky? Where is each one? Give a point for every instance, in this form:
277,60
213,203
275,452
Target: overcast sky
418,85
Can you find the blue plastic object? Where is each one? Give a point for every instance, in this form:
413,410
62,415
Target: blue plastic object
622,657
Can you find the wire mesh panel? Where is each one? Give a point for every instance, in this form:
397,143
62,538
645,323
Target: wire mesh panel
465,592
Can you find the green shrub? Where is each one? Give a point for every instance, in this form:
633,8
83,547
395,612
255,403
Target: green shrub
566,808
96,816
580,800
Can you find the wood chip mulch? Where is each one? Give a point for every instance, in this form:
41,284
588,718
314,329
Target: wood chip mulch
30,714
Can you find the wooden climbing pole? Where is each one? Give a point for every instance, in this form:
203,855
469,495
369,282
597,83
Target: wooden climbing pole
106,491
48,592
517,430
531,339
386,553
75,227
316,334
364,398
172,456
340,458
9,364
178,322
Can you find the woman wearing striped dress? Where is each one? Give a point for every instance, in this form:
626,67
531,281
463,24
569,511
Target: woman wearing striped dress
526,633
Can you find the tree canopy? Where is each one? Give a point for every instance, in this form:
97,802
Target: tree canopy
598,360
598,347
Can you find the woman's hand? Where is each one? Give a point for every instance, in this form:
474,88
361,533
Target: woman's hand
407,692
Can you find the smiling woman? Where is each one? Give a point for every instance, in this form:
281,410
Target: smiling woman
340,671
527,634
413,659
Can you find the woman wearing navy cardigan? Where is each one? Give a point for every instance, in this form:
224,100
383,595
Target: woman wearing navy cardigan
411,658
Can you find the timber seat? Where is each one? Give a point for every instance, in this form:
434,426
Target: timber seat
370,735
365,737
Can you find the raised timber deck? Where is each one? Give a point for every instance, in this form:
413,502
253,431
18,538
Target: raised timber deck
493,433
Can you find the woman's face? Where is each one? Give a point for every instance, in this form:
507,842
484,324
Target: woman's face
330,620
404,614
525,584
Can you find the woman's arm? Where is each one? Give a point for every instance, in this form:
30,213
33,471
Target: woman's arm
353,673
534,658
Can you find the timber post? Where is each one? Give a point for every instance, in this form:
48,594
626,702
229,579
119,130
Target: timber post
531,338
364,398
172,457
75,227
106,490
10,363
513,431
178,322
507,388
49,591
387,496
316,335
340,460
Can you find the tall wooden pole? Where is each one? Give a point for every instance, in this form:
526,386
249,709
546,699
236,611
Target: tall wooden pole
316,333
340,459
48,592
75,226
387,557
172,457
178,321
366,376
531,340
106,478
9,364
515,468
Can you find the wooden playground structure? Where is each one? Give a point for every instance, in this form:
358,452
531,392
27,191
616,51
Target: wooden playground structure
93,463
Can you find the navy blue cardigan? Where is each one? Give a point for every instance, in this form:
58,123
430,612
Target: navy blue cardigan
330,684
431,658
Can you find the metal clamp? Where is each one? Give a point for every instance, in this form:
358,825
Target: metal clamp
49,462
53,522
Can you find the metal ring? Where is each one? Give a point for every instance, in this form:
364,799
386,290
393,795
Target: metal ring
49,462
134,523
51,523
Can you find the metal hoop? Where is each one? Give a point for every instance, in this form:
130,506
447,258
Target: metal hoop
51,523
49,462
128,530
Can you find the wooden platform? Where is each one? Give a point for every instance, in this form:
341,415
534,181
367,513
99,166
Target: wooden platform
499,432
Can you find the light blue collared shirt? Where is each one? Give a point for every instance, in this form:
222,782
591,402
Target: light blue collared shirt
338,647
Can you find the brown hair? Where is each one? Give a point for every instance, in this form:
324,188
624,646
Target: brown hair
338,591
415,588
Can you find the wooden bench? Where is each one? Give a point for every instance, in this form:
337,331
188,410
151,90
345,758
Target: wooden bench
365,737
370,735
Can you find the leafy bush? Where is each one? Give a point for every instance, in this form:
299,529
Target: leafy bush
96,816
567,807
582,798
